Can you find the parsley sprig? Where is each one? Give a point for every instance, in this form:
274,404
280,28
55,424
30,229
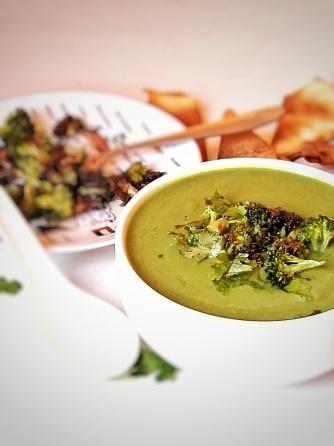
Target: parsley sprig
9,286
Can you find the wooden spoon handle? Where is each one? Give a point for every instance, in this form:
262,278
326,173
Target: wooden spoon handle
241,123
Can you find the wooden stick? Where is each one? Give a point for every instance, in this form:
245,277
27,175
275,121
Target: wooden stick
226,126
237,124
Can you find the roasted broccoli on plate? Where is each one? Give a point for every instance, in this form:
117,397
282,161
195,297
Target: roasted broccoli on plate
56,175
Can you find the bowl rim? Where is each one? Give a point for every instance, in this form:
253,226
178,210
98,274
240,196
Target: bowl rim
122,259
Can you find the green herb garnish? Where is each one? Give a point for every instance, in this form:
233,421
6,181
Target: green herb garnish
249,244
9,286
149,363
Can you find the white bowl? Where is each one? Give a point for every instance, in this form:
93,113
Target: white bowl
280,351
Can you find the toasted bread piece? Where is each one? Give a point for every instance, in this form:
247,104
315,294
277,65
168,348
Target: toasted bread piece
309,117
244,144
321,152
316,98
181,105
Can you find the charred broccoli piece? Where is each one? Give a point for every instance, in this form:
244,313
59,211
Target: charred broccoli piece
291,246
136,173
317,232
277,221
139,175
94,190
256,245
135,178
284,259
258,216
282,222
69,126
17,129
238,241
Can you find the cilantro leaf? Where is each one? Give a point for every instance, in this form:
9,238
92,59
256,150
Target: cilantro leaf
217,203
149,363
9,286
220,267
240,264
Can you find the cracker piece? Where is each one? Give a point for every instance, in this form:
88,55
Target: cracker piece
244,144
309,116
321,152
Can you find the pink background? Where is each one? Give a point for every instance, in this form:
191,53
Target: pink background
227,53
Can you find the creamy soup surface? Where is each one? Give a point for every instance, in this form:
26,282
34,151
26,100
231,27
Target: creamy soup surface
186,282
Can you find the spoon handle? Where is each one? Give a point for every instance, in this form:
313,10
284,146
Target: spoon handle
241,123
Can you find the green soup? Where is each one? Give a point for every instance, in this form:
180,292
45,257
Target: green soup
186,282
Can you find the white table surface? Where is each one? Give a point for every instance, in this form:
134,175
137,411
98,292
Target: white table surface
228,54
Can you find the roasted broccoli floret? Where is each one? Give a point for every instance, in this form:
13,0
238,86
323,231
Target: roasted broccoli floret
18,128
242,239
135,178
136,173
291,246
277,221
281,265
69,126
56,203
258,216
95,187
283,222
139,175
317,232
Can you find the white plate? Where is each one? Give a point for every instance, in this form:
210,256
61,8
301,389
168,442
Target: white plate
119,119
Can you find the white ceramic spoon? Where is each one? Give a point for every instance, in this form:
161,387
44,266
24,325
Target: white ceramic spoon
52,321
